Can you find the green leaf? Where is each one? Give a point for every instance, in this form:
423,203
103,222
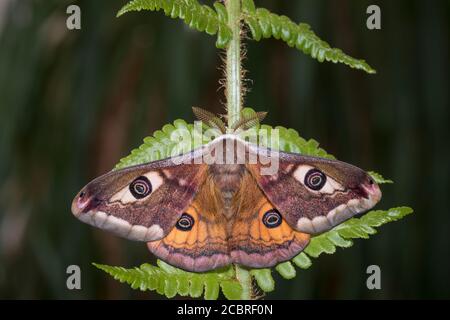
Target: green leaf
286,270
211,288
265,24
170,281
264,279
245,280
236,282
231,289
302,261
196,289
363,227
319,245
338,241
197,16
166,142
379,178
248,6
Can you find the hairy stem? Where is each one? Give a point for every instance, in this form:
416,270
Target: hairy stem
233,92
233,89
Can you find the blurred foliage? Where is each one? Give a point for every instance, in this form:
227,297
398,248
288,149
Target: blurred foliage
74,102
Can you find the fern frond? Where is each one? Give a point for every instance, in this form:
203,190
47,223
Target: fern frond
340,236
379,178
265,24
165,143
170,281
197,16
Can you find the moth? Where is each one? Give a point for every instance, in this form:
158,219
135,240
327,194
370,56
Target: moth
200,216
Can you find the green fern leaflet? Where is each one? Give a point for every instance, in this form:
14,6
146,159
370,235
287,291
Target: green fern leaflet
265,24
261,22
197,16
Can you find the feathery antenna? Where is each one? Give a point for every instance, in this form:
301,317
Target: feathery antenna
209,118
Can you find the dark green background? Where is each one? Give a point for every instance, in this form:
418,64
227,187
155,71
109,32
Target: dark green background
72,103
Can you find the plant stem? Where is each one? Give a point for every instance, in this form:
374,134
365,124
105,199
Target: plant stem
233,92
233,89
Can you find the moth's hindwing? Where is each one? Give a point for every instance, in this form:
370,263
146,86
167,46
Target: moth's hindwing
259,236
255,236
199,240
